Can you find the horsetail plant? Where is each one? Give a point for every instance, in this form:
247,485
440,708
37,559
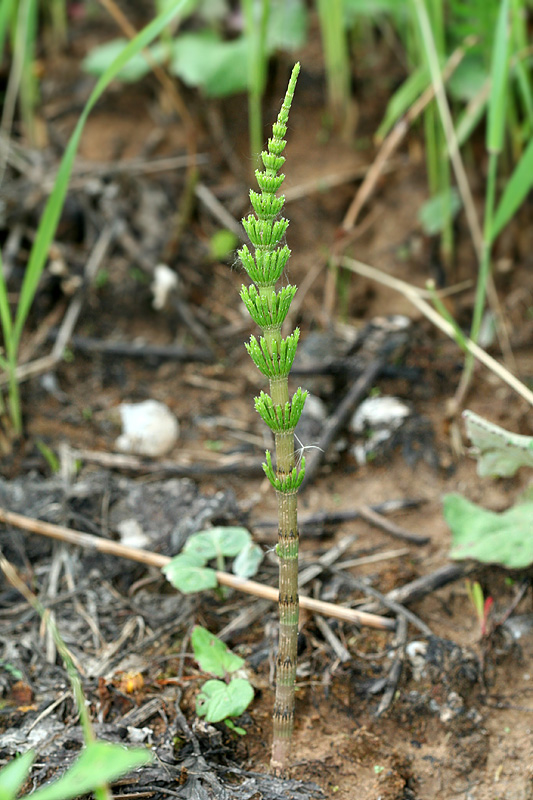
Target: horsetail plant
273,356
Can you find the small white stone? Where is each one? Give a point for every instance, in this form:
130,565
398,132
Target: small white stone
164,283
131,534
315,408
139,735
379,412
416,653
148,429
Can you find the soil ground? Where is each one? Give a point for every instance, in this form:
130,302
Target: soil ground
424,746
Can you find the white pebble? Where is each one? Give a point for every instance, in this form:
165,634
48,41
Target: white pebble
148,429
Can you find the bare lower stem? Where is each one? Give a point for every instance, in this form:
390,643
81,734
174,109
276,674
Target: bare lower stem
287,549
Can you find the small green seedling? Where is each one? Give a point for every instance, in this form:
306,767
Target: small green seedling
5,665
99,764
189,572
220,700
49,456
482,605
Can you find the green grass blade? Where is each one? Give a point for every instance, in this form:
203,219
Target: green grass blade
402,99
52,212
5,314
499,75
519,46
9,363
6,14
518,187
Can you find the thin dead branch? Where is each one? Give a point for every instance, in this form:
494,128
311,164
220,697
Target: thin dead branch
155,559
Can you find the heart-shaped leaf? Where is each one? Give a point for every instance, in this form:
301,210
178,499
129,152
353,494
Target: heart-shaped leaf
218,700
212,655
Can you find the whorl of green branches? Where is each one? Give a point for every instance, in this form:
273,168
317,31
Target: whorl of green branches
268,307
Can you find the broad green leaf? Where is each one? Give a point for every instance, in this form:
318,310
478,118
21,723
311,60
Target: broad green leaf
13,775
436,212
188,574
499,84
204,60
516,190
287,25
99,763
100,58
212,655
490,537
218,700
468,79
220,541
247,562
498,452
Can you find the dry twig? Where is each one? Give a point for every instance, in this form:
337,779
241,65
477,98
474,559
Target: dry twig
155,559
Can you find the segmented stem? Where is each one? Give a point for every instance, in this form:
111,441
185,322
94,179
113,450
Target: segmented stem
273,355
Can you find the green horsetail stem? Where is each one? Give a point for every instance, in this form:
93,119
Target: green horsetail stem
273,356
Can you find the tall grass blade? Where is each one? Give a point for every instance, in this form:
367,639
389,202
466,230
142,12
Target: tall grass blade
6,14
499,76
5,313
52,212
28,84
519,46
516,190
